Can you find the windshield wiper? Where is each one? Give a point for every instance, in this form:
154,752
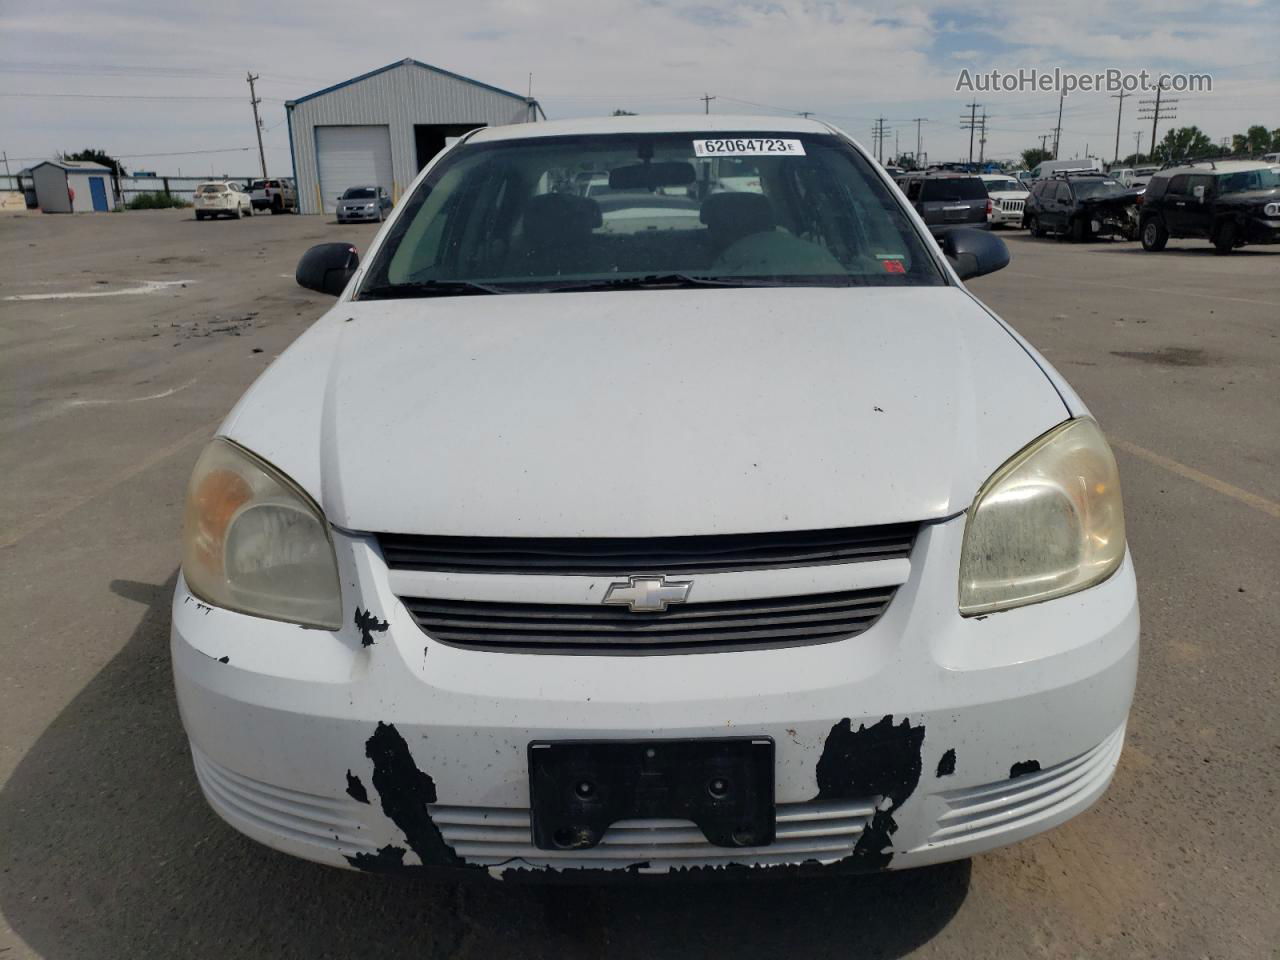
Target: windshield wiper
656,281
428,288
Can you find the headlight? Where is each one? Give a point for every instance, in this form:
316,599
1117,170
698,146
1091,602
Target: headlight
254,542
1272,209
1047,523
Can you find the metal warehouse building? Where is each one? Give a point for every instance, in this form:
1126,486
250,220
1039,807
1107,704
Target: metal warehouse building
383,127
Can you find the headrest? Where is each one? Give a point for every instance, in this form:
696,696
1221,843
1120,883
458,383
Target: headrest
739,213
558,214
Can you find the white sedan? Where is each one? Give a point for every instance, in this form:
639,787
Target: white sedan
752,540
222,198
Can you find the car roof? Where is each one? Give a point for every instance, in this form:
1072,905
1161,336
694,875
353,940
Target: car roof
1217,166
661,123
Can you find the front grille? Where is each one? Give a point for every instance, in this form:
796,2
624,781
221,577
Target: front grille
1011,205
689,628
822,831
610,556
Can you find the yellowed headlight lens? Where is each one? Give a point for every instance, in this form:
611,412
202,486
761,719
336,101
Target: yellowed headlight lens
1048,523
255,543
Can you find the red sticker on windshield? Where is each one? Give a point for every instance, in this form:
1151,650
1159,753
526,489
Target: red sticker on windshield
893,266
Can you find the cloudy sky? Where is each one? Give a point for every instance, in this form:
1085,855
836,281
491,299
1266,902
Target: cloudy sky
162,84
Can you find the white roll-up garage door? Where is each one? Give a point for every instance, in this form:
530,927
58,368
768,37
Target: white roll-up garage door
352,157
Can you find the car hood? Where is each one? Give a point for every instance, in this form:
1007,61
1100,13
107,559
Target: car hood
644,413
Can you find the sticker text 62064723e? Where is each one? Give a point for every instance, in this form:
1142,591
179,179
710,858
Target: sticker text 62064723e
748,147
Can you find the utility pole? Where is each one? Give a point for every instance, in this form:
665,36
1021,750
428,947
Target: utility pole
1137,146
804,113
982,140
1057,131
877,139
706,102
6,163
969,124
1119,112
917,121
257,121
1153,113
1044,137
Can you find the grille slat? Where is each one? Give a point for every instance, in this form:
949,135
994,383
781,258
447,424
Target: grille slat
724,625
609,556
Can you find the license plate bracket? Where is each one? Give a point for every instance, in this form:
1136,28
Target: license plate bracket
578,788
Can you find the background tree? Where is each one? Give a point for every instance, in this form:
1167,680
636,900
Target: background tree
1035,155
1184,143
623,113
97,156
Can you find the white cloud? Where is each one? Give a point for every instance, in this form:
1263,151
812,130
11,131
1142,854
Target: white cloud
850,62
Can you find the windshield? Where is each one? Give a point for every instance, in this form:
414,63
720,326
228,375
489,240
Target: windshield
359,193
1266,178
1004,183
1096,188
953,188
609,211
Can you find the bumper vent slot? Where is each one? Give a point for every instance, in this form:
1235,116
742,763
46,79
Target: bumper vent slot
610,556
688,628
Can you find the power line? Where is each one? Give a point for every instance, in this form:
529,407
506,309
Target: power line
128,96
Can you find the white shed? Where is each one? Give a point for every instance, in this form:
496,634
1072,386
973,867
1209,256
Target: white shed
383,127
74,186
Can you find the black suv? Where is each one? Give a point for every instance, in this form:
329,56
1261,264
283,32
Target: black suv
1227,202
945,200
1081,206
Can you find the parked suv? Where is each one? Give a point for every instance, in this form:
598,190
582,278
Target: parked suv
1081,206
1227,202
1008,197
278,195
948,200
750,539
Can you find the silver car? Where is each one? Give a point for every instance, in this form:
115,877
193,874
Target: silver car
363,203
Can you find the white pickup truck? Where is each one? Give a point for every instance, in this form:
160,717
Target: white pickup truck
277,195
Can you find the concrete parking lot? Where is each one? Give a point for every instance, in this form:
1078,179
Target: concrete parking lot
140,330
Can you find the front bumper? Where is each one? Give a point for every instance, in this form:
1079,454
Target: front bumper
1261,230
349,215
404,752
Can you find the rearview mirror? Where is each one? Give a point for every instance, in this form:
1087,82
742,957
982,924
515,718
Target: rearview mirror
649,176
974,253
327,267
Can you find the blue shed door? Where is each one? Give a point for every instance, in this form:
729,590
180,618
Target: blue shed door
98,190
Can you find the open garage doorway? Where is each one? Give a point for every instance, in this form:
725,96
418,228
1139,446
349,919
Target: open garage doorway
429,138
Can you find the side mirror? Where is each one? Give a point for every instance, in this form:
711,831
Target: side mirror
327,267
974,253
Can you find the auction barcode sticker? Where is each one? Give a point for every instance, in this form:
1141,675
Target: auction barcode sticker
748,147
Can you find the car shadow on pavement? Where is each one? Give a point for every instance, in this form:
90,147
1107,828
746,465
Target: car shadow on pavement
108,850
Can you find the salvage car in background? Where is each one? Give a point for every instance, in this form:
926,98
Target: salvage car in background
1230,203
949,200
748,540
1082,206
1008,196
221,198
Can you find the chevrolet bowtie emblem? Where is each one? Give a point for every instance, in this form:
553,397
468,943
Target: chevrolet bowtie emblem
648,594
